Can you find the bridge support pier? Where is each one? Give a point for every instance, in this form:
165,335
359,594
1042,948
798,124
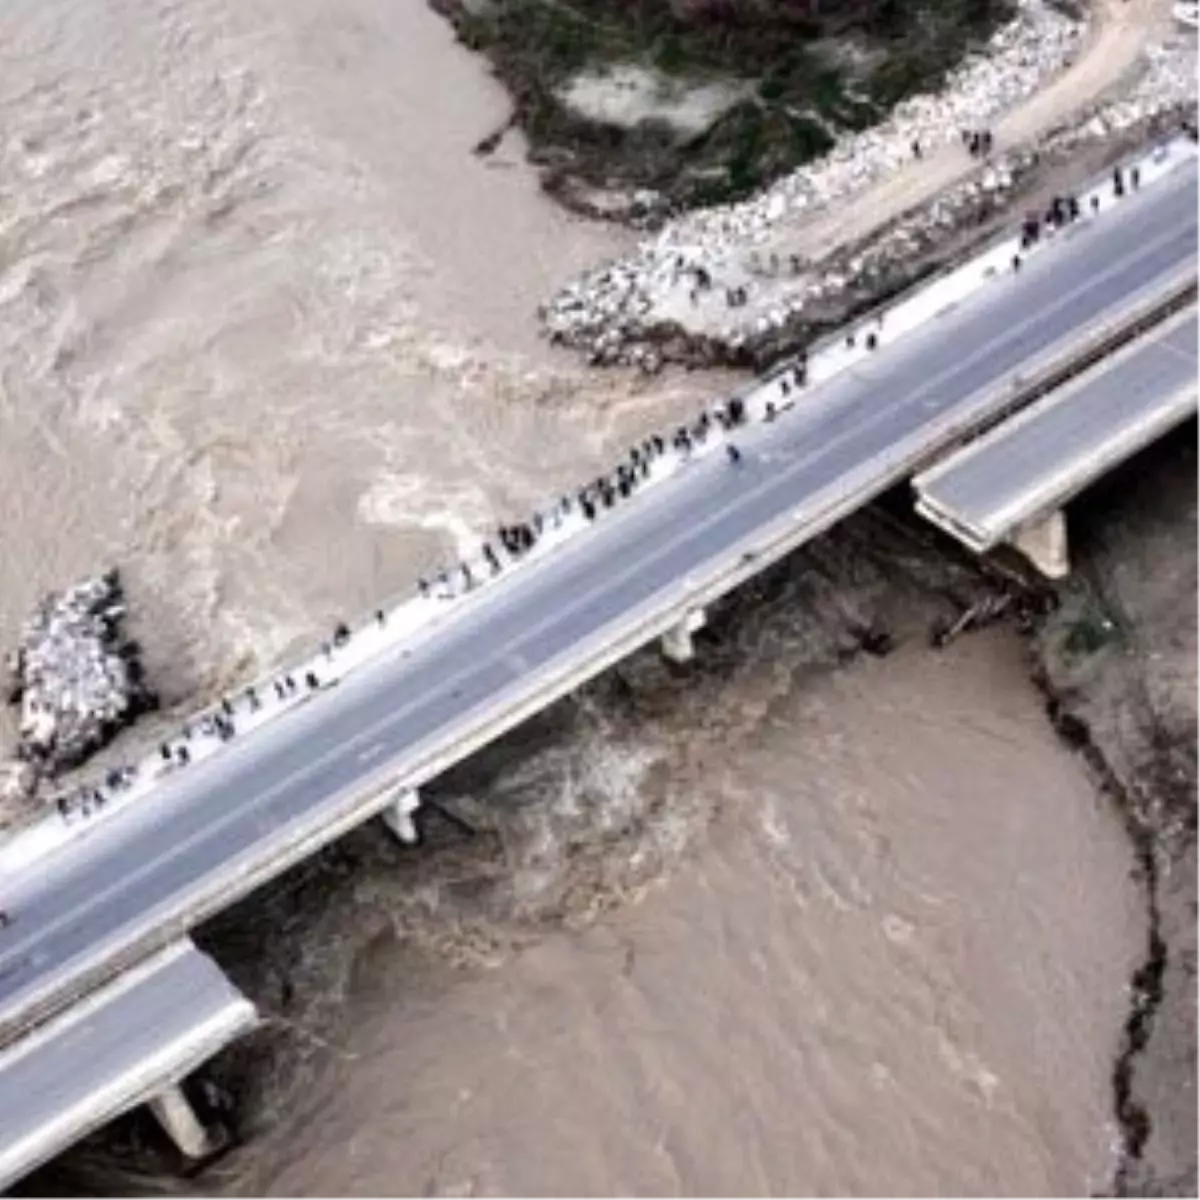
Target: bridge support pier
176,1115
1045,545
398,815
677,642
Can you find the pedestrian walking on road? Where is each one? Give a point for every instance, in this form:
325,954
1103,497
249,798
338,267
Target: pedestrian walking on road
734,454
5,919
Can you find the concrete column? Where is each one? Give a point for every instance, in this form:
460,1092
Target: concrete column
1045,545
677,642
178,1118
398,815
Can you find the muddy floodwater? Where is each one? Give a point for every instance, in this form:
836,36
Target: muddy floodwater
892,965
267,341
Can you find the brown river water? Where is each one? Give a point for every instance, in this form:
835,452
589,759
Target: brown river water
267,340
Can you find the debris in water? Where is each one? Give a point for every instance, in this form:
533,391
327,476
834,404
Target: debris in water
77,677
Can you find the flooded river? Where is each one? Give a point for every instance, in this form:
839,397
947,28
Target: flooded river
267,341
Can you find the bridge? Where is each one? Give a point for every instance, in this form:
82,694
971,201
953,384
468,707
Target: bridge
129,1042
132,888
1011,485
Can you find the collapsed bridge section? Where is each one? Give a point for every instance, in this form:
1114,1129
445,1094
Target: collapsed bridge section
1010,485
132,1042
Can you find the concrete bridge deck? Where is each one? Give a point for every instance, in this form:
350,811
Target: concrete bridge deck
240,818
128,1043
1011,480
117,900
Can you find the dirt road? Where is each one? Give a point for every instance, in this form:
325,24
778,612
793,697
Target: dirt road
1120,31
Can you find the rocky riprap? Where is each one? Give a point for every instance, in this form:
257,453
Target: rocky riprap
616,312
637,311
928,239
76,676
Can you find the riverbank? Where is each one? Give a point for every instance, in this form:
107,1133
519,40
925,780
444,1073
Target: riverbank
641,109
744,283
1118,664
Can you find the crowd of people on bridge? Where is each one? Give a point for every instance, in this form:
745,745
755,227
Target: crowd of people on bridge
512,542
509,544
1064,210
221,724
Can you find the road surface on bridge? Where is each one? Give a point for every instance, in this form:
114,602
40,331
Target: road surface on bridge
1055,448
213,832
138,1034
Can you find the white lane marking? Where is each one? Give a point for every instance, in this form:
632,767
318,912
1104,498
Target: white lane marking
875,418
372,752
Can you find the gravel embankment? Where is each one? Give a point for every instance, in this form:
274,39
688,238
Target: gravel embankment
719,285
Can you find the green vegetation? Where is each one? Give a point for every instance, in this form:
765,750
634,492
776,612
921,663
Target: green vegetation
803,94
1091,631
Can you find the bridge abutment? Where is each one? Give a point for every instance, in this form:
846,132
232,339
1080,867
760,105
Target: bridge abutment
1044,543
177,1117
398,815
677,645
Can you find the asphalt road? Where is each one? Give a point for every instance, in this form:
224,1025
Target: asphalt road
195,838
91,1067
1068,435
